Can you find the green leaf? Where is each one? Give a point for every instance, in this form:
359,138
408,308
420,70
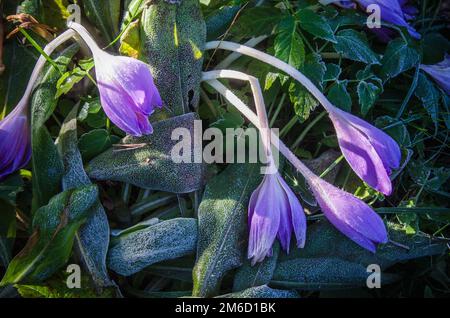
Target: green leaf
398,58
304,102
105,17
339,96
92,238
368,94
330,260
174,37
249,276
47,165
315,24
95,142
430,97
166,240
72,77
222,219
262,292
50,245
332,73
147,161
257,21
353,45
220,20
288,44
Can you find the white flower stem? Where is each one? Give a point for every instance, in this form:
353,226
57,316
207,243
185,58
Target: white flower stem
211,79
234,56
86,36
245,50
49,48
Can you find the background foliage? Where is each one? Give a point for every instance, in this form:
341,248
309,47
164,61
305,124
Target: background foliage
147,231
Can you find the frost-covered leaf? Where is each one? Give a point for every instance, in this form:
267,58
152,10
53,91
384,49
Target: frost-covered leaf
429,96
175,37
92,238
330,260
262,292
133,251
315,24
222,218
147,161
354,46
398,58
339,95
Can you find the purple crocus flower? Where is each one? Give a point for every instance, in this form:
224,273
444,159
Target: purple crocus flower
440,72
127,92
371,153
396,12
273,211
350,215
15,148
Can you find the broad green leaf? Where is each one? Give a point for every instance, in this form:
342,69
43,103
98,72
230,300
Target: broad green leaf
47,165
339,96
50,245
330,260
368,94
147,161
288,44
315,24
105,17
174,37
262,292
249,276
257,21
92,238
353,45
19,62
219,21
222,219
132,252
398,58
429,96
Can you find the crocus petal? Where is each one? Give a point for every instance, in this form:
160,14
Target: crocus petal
265,221
440,72
15,151
386,147
297,216
391,12
362,156
350,215
274,211
127,92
